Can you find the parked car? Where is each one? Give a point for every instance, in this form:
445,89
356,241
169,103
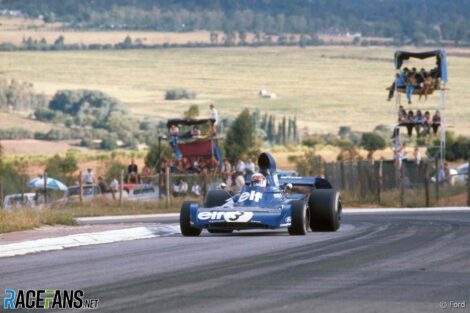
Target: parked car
18,201
90,192
462,173
146,192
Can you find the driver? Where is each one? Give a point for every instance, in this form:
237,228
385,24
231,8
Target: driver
258,180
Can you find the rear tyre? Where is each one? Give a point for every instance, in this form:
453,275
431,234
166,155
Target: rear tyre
299,218
325,210
216,198
185,218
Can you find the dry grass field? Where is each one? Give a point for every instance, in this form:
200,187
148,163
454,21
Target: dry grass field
325,87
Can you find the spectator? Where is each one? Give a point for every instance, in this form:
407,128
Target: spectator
410,84
240,168
181,188
114,187
410,122
174,130
399,82
419,122
424,80
448,177
196,190
401,115
214,116
195,132
196,167
104,187
239,181
417,155
249,168
436,122
427,123
132,171
185,165
146,175
89,177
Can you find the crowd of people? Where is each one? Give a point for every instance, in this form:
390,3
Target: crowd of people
412,80
419,121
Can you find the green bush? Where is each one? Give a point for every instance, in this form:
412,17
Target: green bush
179,93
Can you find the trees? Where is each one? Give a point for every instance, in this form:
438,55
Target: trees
62,168
372,142
240,137
192,112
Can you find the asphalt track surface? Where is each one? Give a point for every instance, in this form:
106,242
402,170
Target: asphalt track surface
400,262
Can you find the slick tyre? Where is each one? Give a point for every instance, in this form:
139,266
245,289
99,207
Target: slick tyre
216,198
299,219
325,210
185,217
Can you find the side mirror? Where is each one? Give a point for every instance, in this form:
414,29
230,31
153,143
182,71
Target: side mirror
223,186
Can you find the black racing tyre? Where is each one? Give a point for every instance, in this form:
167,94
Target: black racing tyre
216,198
220,231
299,219
325,210
185,217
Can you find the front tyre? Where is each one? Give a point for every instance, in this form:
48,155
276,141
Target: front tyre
299,218
325,210
185,218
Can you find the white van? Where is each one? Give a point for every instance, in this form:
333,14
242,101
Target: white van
18,201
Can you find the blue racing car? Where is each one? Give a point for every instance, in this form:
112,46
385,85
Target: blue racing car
268,201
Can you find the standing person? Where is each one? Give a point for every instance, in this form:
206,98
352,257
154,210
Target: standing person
250,167
132,171
410,84
417,154
436,122
104,187
427,123
239,181
89,177
146,175
114,187
214,116
410,122
240,167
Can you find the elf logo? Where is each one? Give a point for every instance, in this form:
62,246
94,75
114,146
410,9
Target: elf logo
252,196
230,216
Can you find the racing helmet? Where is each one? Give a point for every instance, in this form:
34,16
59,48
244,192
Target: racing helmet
258,180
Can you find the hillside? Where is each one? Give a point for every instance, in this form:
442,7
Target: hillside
399,19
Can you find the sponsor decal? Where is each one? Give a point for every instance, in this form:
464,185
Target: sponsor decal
228,216
255,196
47,299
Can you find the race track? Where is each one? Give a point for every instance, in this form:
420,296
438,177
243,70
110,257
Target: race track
400,262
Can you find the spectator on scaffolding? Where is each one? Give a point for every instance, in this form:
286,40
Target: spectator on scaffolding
410,122
214,117
196,166
401,115
132,173
146,176
410,84
104,187
427,123
181,188
195,132
89,177
419,122
436,122
174,130
185,165
399,82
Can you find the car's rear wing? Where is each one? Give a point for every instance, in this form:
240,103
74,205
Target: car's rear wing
305,181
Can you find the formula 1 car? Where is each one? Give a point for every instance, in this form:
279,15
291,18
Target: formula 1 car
317,206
